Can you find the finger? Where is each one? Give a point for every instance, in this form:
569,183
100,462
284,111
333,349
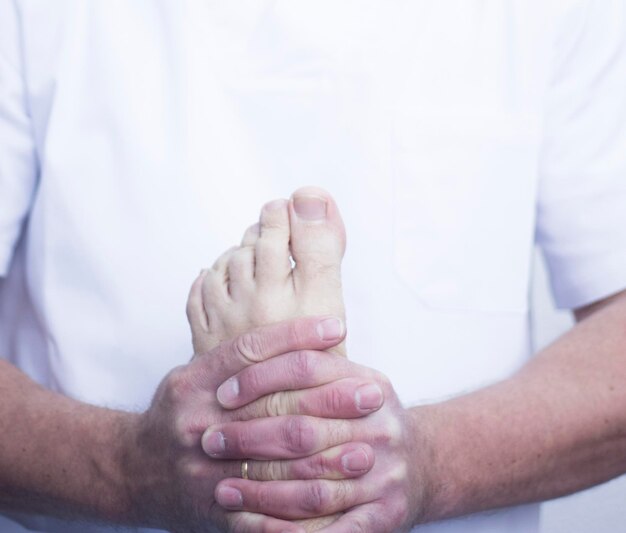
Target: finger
290,499
341,462
281,437
244,522
306,333
344,398
293,371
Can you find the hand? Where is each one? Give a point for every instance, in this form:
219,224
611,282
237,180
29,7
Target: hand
387,498
171,481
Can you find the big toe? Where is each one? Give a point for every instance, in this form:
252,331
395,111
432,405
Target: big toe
318,239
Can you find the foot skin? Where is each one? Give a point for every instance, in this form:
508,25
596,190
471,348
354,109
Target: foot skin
257,283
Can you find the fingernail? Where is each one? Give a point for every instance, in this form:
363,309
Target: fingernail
356,461
330,329
229,497
214,443
310,207
368,397
228,391
274,205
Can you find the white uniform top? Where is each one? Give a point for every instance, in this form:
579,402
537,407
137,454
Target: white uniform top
139,139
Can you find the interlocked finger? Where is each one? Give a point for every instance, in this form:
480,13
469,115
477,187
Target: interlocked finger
291,500
281,437
341,462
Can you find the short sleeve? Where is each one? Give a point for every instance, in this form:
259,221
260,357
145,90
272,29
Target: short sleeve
581,205
18,163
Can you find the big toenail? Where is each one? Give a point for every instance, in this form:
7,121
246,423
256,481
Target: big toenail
310,207
275,205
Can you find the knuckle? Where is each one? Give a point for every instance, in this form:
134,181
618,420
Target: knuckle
333,401
252,382
315,498
298,435
195,472
300,367
392,434
249,347
242,442
183,433
265,499
178,384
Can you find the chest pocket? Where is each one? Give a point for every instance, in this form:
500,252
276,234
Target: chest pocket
464,202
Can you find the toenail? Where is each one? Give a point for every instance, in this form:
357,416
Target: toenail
330,329
275,205
310,207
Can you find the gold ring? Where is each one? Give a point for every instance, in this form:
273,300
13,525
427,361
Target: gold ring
244,469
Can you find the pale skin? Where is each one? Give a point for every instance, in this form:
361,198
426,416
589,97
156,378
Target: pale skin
557,426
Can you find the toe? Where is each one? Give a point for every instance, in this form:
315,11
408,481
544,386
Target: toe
215,283
240,271
251,236
221,264
272,247
196,313
318,237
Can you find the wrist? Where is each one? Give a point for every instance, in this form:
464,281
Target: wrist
107,445
142,474
438,488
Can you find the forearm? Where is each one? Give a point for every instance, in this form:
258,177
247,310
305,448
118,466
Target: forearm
59,456
557,426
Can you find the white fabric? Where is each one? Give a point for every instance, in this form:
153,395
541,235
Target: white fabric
140,139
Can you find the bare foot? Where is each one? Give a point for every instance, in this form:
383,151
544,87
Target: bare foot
257,284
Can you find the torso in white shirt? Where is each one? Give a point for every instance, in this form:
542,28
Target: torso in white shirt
162,127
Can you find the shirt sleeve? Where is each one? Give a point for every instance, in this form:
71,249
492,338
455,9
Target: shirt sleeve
18,162
581,206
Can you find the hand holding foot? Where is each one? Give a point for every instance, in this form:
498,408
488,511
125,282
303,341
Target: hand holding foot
170,480
256,284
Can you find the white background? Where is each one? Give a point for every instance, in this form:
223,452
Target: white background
598,510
